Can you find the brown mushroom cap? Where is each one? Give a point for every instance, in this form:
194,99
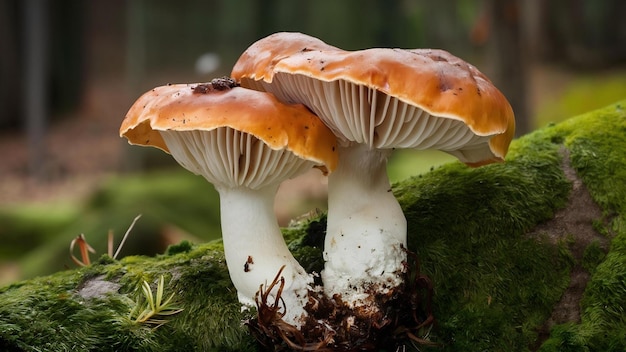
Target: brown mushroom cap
260,57
209,107
397,98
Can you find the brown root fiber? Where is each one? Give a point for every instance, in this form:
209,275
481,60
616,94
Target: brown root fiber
404,317
271,331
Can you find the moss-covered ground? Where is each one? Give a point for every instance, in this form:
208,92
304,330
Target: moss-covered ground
495,286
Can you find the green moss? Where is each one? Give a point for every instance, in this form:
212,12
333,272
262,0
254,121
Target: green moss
593,256
306,242
182,247
52,314
599,227
467,227
494,286
598,147
565,338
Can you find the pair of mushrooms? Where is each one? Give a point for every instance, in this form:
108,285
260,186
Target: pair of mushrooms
295,102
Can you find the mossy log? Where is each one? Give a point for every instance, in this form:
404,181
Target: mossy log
529,254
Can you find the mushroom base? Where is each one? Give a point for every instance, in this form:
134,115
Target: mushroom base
371,274
404,317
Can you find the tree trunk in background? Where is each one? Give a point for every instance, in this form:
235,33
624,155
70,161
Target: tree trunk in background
392,29
9,67
587,33
266,18
441,25
35,103
508,59
534,28
135,158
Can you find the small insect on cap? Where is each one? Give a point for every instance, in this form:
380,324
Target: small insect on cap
229,134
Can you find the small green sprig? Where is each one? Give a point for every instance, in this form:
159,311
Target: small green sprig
154,310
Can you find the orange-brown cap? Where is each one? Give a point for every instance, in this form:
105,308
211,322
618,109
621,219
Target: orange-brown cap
260,57
395,98
219,104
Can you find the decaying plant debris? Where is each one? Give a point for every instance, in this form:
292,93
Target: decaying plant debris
334,326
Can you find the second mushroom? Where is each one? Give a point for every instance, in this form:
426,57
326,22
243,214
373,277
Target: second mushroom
245,143
375,101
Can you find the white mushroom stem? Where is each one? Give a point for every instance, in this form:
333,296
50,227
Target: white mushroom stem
246,173
366,230
255,249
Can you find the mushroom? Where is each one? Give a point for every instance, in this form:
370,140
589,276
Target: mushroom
377,100
259,59
245,143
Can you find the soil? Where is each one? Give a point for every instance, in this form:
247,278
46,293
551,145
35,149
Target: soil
572,225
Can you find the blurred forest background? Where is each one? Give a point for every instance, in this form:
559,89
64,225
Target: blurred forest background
70,69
